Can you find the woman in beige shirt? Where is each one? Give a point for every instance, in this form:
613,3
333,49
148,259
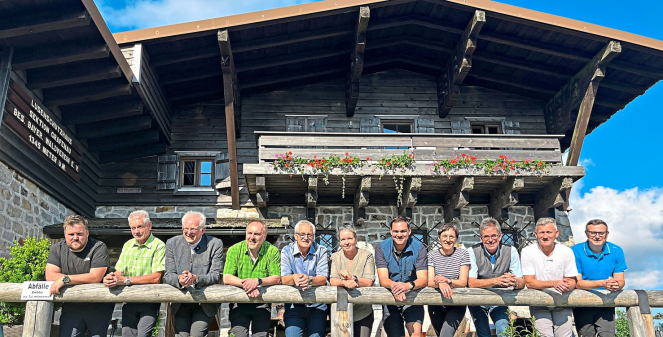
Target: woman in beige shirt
352,267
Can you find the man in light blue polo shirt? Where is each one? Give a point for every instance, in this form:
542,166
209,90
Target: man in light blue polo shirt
304,264
601,265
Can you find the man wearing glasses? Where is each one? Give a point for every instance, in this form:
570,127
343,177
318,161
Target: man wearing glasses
546,265
250,264
193,260
402,265
493,265
141,262
304,264
601,265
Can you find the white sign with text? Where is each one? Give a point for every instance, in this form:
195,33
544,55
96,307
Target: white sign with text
36,291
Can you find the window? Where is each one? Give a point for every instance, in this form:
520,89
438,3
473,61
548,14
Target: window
420,235
397,126
486,128
328,239
510,237
197,172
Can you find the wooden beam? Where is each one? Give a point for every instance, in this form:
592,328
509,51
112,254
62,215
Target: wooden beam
198,93
265,81
459,64
458,197
188,76
68,76
361,201
133,152
5,70
505,197
312,193
522,65
122,140
232,102
357,62
33,23
551,197
544,89
409,196
114,127
87,113
636,69
559,109
85,93
172,58
289,59
38,316
286,39
50,56
262,197
531,45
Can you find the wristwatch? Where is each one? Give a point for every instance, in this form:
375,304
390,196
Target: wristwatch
356,280
259,281
127,281
413,285
310,281
66,279
449,281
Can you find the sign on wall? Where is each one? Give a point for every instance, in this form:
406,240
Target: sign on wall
34,125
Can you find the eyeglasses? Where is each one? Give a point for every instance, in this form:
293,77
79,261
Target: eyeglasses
444,237
486,237
305,235
191,230
600,234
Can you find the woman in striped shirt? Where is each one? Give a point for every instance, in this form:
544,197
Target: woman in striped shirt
448,268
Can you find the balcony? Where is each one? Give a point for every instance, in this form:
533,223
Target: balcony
420,183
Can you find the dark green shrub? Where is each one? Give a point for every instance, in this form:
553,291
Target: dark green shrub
28,263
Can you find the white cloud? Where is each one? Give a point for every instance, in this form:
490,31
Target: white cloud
635,219
138,14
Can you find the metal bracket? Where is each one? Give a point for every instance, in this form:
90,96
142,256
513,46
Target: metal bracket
643,302
341,299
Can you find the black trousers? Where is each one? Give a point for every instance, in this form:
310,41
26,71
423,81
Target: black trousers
591,322
257,316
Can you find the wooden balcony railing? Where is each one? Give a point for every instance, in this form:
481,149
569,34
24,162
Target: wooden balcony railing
425,146
639,303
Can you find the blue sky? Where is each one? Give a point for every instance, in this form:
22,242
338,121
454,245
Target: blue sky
622,157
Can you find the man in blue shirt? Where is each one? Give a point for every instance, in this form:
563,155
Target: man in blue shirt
402,265
304,264
493,265
601,265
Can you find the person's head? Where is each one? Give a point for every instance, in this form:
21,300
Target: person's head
140,224
256,234
75,232
597,232
448,235
491,234
546,232
304,234
193,226
400,230
347,237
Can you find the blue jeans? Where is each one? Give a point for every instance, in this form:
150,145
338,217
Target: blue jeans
300,319
497,314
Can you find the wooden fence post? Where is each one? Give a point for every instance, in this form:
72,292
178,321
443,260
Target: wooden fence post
640,320
342,316
38,319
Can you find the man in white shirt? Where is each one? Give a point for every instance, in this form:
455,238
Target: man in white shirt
548,264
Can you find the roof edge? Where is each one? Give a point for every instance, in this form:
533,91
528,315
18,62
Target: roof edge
328,5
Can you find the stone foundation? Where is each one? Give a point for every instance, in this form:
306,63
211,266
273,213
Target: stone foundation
24,209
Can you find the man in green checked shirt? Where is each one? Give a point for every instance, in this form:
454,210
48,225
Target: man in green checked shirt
142,261
250,264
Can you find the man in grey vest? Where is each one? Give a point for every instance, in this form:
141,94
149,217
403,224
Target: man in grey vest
493,265
193,260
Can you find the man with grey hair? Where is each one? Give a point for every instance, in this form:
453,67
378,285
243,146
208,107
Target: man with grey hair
493,265
549,265
304,264
193,260
141,262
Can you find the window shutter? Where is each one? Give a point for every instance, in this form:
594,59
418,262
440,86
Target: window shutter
425,125
168,173
369,125
461,126
222,167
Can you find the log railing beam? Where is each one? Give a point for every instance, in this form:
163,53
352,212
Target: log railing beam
457,198
505,197
361,201
459,64
580,88
357,62
409,196
232,109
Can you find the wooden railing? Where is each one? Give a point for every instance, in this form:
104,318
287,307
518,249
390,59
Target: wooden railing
638,303
425,146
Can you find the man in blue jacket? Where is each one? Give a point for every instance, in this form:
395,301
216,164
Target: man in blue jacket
601,265
402,265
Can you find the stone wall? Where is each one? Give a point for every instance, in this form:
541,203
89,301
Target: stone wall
24,209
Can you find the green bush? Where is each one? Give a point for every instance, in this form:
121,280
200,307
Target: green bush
621,323
28,263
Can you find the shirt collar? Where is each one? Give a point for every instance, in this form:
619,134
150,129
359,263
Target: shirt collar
147,243
263,248
295,249
408,246
604,251
492,257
